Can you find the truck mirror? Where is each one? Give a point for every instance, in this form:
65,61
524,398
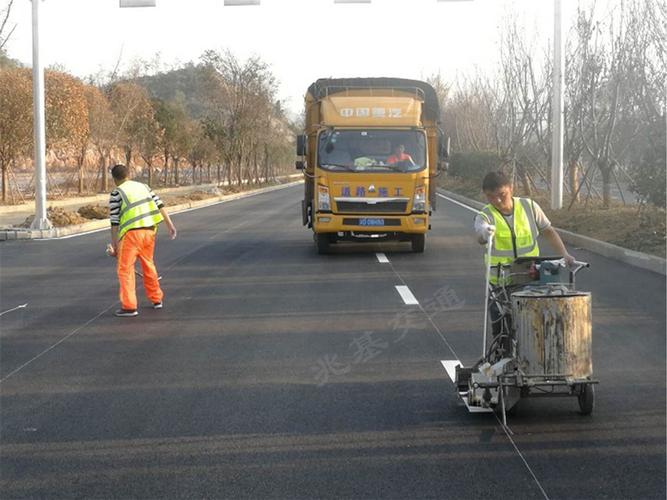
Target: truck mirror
301,141
443,143
300,165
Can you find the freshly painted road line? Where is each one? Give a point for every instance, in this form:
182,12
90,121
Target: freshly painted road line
450,367
15,308
458,203
14,372
406,295
382,258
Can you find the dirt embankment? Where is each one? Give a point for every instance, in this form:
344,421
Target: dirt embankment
628,226
61,217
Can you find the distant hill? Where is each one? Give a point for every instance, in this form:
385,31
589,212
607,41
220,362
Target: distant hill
8,62
188,83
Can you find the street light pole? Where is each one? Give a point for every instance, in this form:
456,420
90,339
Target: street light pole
557,111
40,221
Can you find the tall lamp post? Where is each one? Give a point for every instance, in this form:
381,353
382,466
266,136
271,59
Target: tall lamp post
40,221
557,111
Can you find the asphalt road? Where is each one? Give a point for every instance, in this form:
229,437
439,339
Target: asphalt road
273,372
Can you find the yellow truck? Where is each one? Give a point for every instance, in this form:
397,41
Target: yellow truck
370,152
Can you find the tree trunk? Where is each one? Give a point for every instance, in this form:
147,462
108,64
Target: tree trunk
166,171
150,174
574,180
175,164
4,182
105,174
80,176
525,181
166,168
606,186
194,173
218,174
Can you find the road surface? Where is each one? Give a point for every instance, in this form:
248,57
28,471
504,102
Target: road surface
274,372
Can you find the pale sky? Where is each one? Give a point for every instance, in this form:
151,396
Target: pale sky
302,40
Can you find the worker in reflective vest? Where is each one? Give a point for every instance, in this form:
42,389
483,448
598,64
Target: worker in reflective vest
515,224
135,212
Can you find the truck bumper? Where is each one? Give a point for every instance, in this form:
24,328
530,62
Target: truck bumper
375,224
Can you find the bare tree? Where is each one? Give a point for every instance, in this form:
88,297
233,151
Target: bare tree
15,119
242,99
5,29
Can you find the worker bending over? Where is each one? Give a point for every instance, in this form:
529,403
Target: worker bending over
514,223
135,212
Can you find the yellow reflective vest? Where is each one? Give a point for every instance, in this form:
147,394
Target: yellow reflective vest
137,209
512,242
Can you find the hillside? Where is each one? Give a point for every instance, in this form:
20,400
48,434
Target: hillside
188,83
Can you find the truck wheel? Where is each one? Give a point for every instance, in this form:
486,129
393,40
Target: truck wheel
322,241
586,399
418,243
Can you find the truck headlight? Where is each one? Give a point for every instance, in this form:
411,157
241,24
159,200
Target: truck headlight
323,200
419,201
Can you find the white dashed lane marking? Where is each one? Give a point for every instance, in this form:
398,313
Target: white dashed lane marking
406,295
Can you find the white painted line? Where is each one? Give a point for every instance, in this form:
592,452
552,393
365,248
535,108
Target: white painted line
12,373
406,295
22,306
450,367
382,258
458,203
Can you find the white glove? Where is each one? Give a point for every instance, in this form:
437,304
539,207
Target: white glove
486,231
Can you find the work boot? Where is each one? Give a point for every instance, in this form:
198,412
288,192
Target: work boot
126,313
157,305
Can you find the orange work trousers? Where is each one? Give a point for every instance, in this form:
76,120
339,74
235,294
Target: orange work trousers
137,244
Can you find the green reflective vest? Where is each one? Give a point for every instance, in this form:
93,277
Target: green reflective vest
137,208
510,243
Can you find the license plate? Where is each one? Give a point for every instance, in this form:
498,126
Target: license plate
368,221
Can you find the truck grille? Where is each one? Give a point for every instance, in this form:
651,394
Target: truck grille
372,206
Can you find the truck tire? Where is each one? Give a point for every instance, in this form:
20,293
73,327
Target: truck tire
322,241
418,243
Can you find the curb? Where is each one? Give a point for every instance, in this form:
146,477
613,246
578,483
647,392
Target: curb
20,233
637,259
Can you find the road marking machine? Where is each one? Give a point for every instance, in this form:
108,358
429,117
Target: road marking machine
541,345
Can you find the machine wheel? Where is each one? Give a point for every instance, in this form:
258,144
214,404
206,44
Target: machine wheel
418,243
586,399
322,241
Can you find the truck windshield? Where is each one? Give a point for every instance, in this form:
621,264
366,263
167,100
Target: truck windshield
372,150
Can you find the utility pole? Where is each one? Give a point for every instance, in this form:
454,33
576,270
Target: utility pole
40,221
557,111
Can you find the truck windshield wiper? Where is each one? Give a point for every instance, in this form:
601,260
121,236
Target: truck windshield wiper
346,167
